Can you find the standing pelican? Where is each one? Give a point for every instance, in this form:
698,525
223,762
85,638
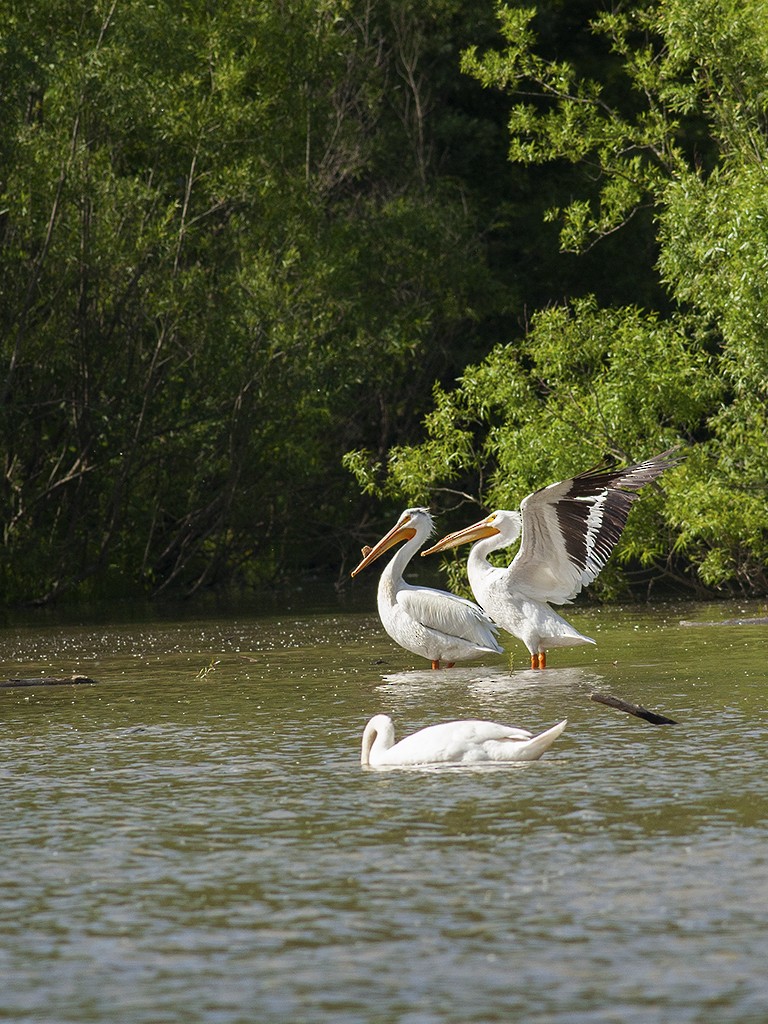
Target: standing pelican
432,623
466,742
568,532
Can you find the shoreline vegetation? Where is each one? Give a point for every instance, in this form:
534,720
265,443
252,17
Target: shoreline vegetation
269,273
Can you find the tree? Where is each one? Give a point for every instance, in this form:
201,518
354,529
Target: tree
234,242
682,132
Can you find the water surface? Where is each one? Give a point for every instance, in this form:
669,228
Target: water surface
193,838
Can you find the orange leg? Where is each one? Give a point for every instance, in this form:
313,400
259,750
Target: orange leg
542,659
436,664
450,664
534,661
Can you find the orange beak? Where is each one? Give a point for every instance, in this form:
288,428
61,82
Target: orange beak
478,531
400,531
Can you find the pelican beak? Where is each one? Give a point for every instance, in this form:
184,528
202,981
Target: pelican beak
478,531
400,531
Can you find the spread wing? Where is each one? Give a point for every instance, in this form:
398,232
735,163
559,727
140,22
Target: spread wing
570,528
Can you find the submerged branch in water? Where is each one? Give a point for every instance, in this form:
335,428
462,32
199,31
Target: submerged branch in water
632,709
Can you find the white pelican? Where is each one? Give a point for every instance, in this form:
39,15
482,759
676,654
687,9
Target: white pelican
568,532
432,623
453,743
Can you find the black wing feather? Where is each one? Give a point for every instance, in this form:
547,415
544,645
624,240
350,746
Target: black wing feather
594,511
570,528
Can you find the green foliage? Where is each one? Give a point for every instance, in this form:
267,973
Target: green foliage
239,240
630,142
673,117
586,385
228,234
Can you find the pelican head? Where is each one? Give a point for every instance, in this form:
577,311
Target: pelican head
502,523
413,522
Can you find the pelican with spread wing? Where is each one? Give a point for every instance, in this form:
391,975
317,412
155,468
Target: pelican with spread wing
567,532
432,623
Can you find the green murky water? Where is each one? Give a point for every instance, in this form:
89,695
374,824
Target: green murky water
193,838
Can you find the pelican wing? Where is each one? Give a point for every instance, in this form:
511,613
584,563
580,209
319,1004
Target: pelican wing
449,614
570,528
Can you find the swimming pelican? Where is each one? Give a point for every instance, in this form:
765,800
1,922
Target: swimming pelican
432,623
568,532
467,742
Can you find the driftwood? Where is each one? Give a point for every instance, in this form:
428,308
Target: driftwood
632,709
47,681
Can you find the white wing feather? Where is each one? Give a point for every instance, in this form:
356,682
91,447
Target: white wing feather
569,529
449,614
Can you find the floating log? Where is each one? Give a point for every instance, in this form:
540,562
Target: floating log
48,681
632,709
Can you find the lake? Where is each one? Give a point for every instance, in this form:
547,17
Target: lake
193,839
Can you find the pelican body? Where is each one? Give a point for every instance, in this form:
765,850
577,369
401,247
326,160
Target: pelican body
468,742
567,532
432,623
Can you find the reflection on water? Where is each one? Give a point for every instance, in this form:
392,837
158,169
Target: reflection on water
193,839
497,677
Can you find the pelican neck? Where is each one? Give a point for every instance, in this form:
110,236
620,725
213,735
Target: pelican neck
391,579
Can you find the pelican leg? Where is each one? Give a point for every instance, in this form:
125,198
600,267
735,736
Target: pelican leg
534,661
450,664
436,663
542,659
